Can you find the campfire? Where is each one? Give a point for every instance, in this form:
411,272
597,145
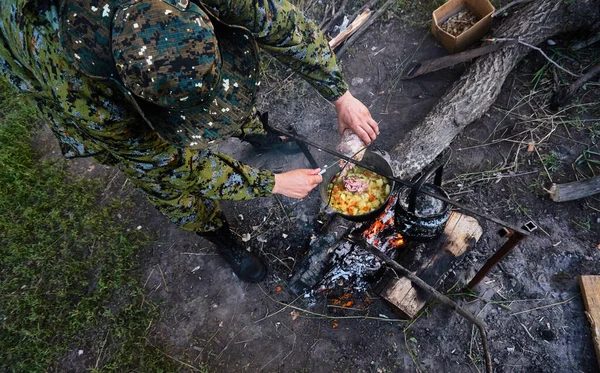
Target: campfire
353,267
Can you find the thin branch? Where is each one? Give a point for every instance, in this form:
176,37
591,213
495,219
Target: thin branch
493,40
322,316
546,306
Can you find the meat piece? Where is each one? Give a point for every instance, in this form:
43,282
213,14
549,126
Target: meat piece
355,185
351,146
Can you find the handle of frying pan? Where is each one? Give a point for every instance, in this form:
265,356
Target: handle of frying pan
438,168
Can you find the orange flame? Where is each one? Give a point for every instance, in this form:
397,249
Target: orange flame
374,229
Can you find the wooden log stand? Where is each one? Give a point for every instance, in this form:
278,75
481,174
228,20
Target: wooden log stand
430,262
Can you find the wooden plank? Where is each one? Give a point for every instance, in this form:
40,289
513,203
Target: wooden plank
430,262
590,291
354,26
464,228
401,293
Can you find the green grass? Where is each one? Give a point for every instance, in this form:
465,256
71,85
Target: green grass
69,276
552,161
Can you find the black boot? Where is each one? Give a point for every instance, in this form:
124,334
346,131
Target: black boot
247,266
273,140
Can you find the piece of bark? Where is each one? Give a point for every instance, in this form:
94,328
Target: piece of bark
590,291
427,66
477,89
351,29
575,190
564,95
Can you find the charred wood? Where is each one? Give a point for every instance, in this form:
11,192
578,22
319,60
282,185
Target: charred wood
315,264
437,295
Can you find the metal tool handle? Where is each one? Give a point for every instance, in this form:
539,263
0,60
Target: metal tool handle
414,192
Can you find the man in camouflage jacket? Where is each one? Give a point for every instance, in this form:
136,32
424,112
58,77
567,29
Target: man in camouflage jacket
184,180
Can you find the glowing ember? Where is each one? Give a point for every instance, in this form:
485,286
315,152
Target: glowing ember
378,233
397,241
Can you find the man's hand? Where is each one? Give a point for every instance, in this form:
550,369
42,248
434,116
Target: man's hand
354,115
297,183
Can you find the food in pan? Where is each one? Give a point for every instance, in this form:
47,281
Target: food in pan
358,192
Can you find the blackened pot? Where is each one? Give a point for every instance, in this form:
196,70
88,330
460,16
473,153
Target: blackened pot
420,217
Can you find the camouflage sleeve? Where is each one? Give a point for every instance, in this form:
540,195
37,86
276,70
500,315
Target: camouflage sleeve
293,39
167,172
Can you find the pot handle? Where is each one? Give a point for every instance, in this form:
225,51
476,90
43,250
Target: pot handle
438,168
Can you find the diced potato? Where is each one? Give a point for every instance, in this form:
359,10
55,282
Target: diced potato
358,203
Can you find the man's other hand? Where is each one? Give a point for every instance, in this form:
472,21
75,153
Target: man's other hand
354,115
297,183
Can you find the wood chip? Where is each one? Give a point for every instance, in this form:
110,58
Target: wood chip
459,23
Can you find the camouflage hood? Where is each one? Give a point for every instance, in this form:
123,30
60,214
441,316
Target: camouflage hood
191,77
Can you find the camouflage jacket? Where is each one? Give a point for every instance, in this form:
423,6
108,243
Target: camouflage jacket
89,117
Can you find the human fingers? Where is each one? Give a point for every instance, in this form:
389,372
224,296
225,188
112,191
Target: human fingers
374,125
362,134
369,130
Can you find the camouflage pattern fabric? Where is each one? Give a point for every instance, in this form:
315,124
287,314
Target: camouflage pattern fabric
93,118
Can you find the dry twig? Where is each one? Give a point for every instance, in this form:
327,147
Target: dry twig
547,306
493,40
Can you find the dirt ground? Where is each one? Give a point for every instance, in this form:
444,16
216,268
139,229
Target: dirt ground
530,303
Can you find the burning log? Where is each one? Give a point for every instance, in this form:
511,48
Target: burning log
479,87
318,261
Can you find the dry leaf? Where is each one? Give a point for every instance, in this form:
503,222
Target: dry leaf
335,324
295,315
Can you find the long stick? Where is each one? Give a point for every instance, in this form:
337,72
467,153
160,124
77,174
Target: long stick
402,182
437,295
